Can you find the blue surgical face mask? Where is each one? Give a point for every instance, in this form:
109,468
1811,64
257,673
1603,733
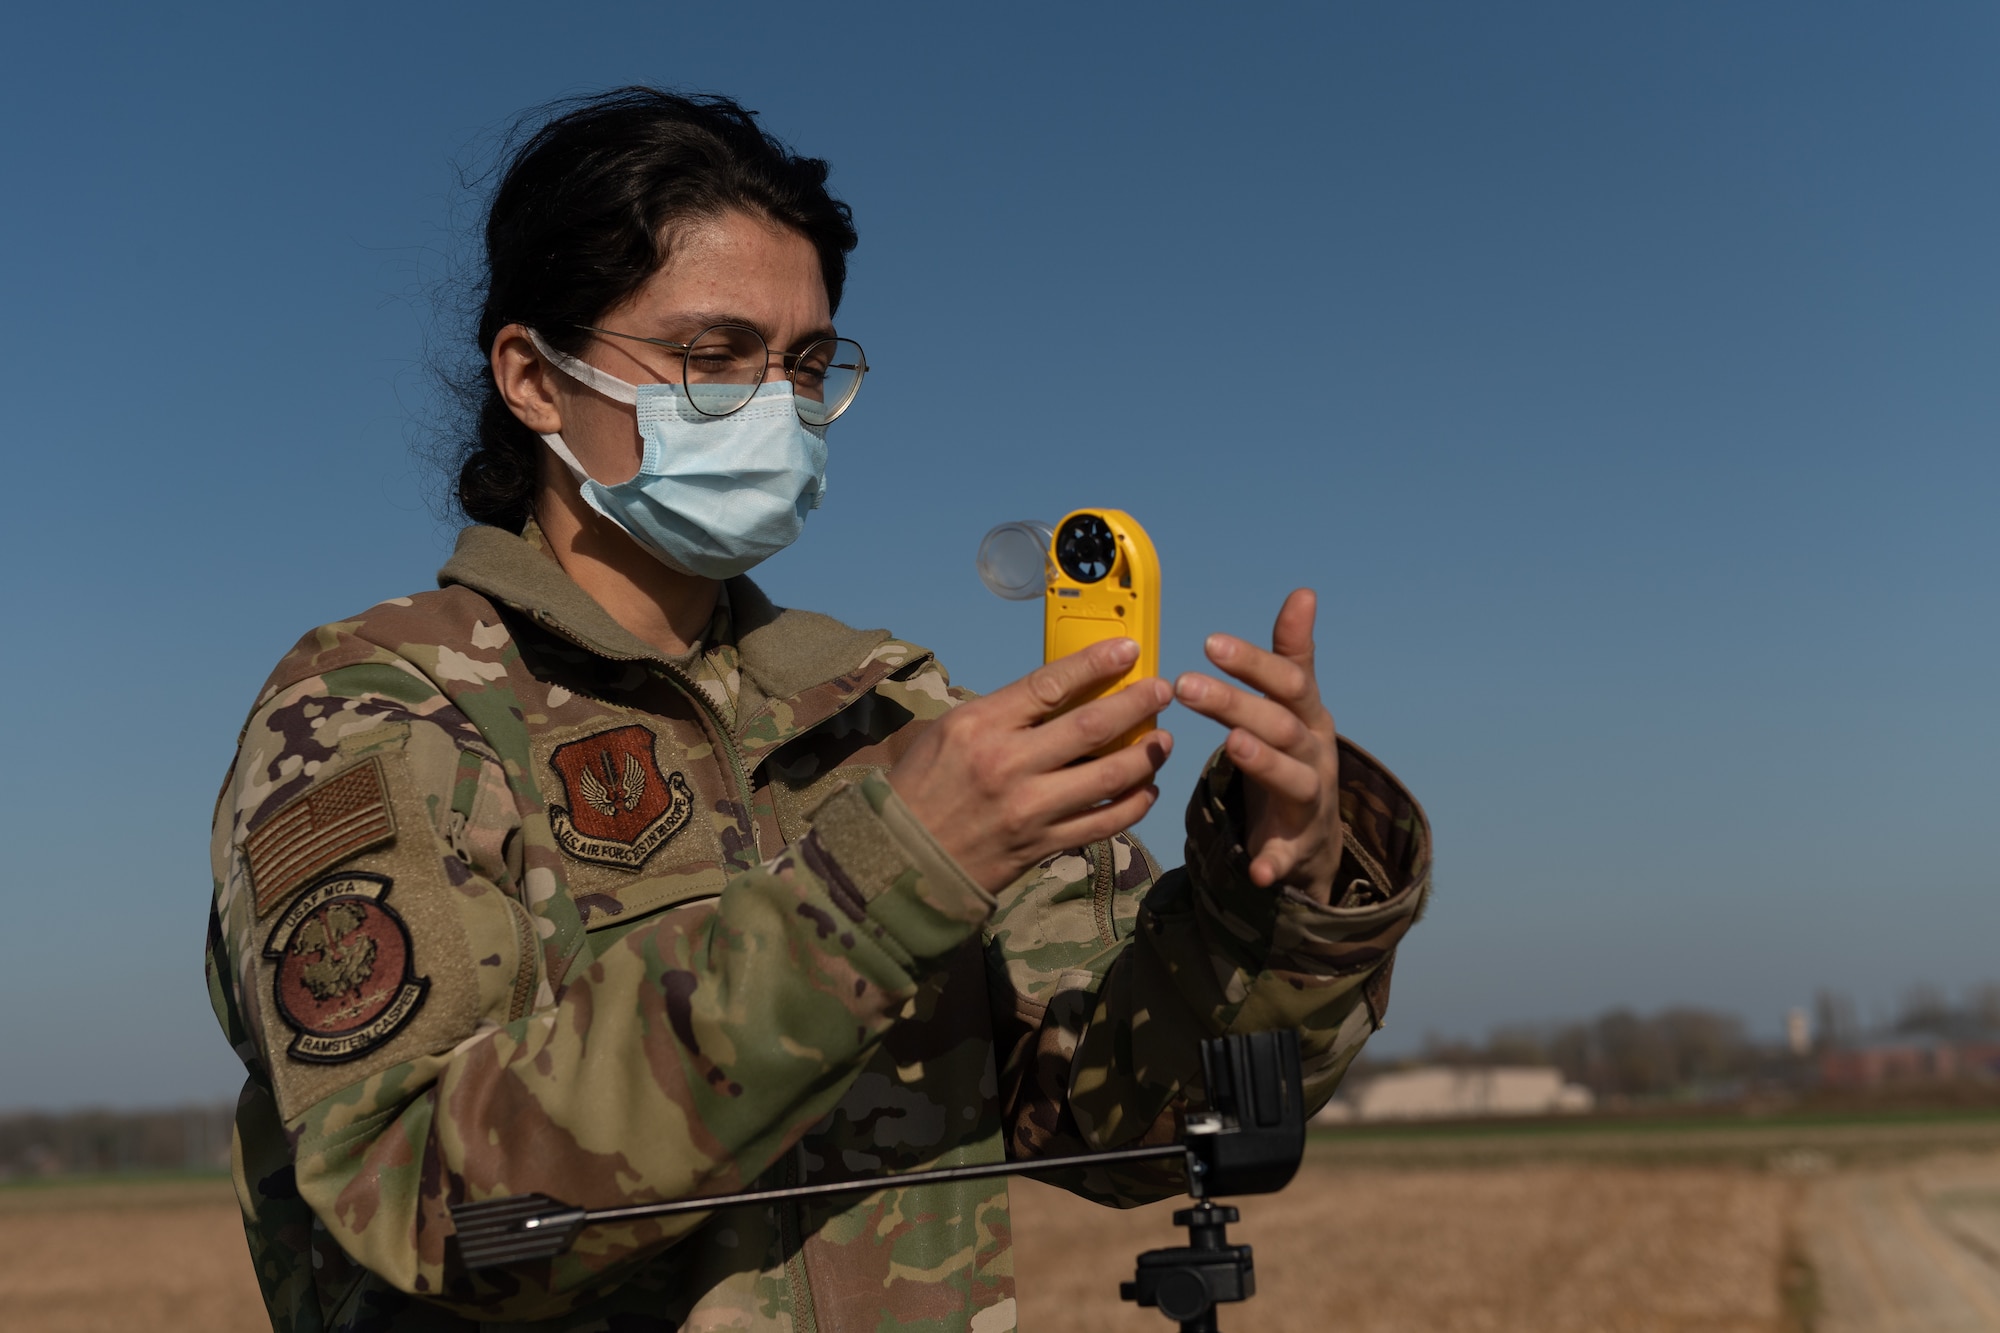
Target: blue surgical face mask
713,495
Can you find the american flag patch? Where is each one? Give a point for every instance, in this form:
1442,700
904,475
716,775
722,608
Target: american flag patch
342,817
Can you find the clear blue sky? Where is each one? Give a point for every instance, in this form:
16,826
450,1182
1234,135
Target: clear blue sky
1622,375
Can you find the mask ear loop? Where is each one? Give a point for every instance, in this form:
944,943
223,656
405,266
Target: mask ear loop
584,373
591,377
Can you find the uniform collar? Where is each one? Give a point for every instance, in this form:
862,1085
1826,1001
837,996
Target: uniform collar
786,653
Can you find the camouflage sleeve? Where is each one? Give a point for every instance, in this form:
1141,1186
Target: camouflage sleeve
377,958
1107,973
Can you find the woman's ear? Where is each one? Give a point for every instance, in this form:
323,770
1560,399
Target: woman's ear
526,382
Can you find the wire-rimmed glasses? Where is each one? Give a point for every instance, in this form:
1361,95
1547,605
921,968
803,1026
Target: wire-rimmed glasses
722,368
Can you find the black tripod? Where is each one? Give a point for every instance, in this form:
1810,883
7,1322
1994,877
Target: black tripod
1248,1141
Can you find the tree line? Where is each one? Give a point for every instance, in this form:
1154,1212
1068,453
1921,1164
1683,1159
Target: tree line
1687,1050
94,1142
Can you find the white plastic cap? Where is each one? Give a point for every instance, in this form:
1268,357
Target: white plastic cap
1014,559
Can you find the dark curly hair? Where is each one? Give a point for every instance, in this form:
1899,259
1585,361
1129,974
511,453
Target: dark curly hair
584,214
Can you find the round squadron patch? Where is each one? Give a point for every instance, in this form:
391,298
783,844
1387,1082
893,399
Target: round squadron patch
618,807
345,978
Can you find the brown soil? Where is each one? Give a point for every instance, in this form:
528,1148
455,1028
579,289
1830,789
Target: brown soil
1550,1246
1914,1248
1543,1248
110,1259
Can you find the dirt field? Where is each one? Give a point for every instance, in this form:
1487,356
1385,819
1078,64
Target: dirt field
1912,1248
1545,1248
1801,1242
96,1259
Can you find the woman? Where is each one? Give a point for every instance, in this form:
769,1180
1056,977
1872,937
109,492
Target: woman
595,874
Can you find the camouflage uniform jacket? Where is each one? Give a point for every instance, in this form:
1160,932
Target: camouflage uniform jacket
506,902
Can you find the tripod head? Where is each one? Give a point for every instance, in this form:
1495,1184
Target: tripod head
1247,1140
1252,1135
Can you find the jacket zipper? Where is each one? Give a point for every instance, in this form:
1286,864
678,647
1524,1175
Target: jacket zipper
733,755
701,701
1103,872
791,1216
792,1243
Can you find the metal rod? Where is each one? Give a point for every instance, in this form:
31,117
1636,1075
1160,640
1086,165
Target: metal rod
631,1212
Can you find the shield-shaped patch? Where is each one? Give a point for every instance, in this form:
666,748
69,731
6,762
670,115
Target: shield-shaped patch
618,808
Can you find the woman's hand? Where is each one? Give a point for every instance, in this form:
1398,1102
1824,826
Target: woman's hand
996,782
1283,743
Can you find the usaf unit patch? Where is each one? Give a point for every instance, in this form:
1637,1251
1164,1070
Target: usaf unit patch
340,818
619,808
344,981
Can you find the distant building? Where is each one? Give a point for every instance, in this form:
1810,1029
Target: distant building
1440,1092
1913,1058
1798,1032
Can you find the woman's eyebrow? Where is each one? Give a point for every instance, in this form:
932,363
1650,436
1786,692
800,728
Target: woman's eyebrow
691,322
694,321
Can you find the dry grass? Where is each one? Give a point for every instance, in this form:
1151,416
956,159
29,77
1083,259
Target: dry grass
1543,1248
1712,1141
111,1259
1555,1245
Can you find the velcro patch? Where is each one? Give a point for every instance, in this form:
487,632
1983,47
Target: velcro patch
345,980
318,829
620,808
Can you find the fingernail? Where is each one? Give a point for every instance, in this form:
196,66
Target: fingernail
1220,646
1124,651
1190,687
1162,693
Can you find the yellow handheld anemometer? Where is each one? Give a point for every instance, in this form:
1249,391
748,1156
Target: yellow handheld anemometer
1104,583
1098,578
